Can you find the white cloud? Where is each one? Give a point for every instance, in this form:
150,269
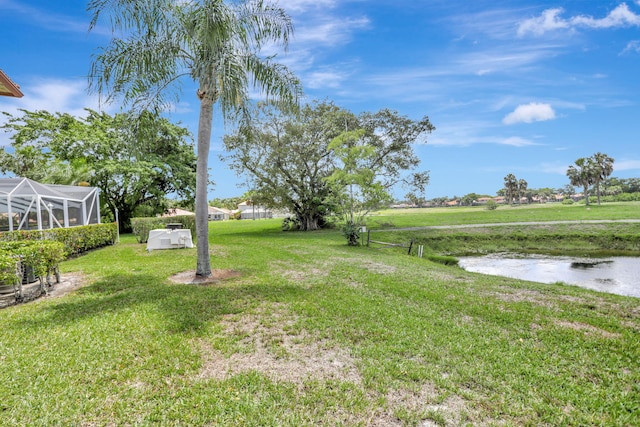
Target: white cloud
550,20
293,6
533,112
57,95
331,32
632,46
624,165
621,16
516,141
547,21
325,79
53,95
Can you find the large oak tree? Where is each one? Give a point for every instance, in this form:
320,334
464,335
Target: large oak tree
324,159
134,160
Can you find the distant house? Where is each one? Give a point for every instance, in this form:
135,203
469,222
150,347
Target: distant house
219,214
8,87
177,212
250,211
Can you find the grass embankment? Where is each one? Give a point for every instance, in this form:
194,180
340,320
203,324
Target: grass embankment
504,214
582,238
314,333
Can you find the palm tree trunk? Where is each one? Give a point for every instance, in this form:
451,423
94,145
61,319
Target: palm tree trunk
203,266
586,195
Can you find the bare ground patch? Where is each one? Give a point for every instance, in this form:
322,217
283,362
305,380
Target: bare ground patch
216,276
310,273
272,343
278,350
588,329
523,295
69,282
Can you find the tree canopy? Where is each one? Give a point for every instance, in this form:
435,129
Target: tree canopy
589,171
305,162
135,160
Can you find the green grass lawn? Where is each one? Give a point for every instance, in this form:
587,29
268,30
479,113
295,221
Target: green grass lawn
313,332
523,213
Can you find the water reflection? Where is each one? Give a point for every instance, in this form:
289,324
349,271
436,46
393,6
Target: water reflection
617,275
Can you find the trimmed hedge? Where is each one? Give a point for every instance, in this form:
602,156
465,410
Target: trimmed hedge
142,226
10,271
75,240
41,255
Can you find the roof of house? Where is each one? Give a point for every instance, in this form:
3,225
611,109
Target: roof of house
8,87
213,209
176,212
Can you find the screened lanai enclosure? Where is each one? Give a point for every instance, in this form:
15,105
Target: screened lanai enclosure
28,205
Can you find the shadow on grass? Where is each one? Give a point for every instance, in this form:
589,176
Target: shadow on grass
182,308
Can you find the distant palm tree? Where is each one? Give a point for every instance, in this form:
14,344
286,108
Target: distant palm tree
511,187
522,189
603,169
582,175
214,43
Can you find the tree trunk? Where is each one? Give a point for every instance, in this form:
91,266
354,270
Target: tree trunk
308,221
586,195
203,265
124,219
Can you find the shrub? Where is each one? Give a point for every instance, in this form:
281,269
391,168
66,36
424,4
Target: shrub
10,268
491,205
567,201
442,259
75,240
142,226
352,232
290,223
42,256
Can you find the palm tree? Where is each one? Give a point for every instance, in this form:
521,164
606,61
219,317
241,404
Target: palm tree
604,168
522,189
216,44
511,187
582,175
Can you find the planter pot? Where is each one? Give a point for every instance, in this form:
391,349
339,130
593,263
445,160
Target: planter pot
7,289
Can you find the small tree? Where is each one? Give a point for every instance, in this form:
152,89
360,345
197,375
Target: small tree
356,188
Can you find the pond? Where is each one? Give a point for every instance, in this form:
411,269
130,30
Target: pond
616,275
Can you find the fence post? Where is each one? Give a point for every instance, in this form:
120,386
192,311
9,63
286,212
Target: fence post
368,237
410,246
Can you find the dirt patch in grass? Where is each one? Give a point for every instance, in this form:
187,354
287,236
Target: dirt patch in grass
190,278
277,348
68,283
588,329
524,295
32,292
270,341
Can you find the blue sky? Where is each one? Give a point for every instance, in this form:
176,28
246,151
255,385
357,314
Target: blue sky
522,87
